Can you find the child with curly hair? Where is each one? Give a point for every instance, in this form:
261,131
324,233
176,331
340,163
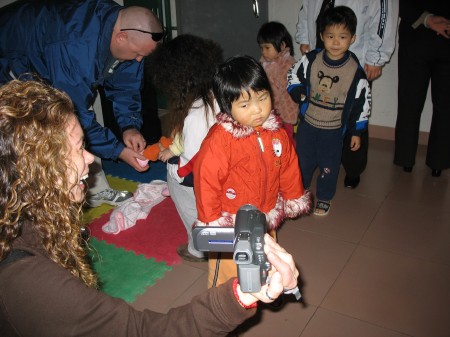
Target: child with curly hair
246,158
277,58
183,69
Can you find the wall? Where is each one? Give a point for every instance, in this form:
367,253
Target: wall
384,89
215,23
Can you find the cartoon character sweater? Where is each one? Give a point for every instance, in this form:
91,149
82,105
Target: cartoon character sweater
356,105
239,165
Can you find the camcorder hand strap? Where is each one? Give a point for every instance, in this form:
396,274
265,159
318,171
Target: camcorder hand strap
295,291
216,273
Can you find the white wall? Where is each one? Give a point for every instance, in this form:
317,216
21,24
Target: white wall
384,111
384,89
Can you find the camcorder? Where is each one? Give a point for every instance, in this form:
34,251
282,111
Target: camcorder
245,241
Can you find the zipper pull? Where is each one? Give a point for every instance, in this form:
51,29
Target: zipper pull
111,68
261,145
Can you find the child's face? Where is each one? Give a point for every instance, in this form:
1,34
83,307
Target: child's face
269,52
252,110
337,40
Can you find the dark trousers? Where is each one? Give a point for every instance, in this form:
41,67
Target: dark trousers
355,162
423,57
319,148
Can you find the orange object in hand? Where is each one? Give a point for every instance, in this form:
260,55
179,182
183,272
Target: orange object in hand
151,152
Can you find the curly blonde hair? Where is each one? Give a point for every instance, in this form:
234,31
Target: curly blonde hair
34,167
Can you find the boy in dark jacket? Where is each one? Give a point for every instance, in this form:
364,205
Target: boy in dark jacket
334,96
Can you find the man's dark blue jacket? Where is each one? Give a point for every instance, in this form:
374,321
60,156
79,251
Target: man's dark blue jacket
67,42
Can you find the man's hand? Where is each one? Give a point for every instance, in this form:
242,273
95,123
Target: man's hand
129,156
439,24
134,140
304,48
372,72
355,143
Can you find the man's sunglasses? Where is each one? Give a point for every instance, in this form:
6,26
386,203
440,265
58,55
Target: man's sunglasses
155,36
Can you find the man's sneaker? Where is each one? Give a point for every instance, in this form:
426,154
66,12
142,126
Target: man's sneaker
108,196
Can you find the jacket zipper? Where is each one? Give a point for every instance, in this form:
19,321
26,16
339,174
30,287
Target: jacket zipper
264,169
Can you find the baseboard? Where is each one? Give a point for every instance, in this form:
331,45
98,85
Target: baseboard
387,133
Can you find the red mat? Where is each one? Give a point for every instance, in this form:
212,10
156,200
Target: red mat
157,236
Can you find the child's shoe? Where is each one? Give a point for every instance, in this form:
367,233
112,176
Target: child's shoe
322,207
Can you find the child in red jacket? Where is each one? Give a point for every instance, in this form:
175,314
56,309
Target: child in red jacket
246,158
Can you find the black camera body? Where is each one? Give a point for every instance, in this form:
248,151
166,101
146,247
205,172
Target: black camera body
245,240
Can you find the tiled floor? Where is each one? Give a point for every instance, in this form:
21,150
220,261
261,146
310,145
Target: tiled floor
377,266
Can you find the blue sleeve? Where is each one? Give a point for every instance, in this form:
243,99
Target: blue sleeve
101,141
123,89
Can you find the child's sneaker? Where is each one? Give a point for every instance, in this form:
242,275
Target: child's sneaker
322,207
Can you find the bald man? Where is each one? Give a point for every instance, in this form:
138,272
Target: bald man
78,46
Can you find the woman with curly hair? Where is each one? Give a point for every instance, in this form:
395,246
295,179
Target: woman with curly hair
183,70
47,287
38,184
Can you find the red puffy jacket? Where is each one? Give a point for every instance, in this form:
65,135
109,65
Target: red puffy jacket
239,165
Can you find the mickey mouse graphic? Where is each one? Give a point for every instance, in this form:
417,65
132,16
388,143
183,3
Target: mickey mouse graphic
326,82
324,88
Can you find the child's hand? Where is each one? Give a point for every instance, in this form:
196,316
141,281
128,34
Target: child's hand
355,143
165,155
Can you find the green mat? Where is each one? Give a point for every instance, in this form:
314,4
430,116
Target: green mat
122,273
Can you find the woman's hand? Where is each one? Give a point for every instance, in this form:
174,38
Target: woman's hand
282,276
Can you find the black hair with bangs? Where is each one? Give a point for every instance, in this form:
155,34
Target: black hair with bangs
276,34
235,75
340,15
